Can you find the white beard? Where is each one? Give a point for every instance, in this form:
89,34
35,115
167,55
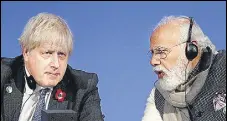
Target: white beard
175,76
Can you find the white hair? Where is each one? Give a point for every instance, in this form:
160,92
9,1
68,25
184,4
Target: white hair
46,27
202,40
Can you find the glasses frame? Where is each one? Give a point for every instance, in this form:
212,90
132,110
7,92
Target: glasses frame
163,53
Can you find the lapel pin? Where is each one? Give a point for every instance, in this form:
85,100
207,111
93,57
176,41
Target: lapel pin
219,102
9,89
60,95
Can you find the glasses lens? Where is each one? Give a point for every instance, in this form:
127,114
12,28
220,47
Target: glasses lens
163,55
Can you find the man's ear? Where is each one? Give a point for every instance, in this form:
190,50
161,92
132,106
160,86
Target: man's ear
25,54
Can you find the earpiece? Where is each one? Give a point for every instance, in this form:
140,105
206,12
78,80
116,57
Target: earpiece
191,49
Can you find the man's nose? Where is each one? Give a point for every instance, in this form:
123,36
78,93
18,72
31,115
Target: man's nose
155,61
55,61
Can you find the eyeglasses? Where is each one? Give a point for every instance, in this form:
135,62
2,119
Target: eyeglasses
161,52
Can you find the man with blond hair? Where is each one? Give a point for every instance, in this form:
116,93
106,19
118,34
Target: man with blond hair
41,79
191,83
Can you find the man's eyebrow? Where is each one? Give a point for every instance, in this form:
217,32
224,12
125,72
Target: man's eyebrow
160,48
46,49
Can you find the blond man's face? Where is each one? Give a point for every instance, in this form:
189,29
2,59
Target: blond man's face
46,63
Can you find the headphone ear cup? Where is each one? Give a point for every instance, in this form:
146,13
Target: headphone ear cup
191,51
31,82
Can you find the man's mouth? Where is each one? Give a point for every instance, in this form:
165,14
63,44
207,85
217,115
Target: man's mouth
160,74
53,74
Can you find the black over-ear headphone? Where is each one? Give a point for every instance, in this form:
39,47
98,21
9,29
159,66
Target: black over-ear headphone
191,49
30,81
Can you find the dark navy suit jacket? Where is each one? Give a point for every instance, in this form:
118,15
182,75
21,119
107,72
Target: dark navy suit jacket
81,92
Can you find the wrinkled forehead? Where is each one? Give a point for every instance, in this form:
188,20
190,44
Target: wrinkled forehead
165,36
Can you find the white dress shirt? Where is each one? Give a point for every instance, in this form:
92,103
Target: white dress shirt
30,100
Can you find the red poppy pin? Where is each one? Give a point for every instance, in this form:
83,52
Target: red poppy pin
60,95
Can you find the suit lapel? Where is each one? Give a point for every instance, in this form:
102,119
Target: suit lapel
13,95
54,104
12,102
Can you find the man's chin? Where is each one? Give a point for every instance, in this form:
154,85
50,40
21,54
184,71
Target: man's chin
49,83
168,85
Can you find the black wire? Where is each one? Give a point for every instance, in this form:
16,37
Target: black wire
189,111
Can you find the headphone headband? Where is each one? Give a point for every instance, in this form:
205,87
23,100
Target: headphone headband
190,29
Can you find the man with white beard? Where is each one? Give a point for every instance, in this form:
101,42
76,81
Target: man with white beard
191,83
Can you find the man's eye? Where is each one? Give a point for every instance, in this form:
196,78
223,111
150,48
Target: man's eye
62,55
48,52
162,51
159,51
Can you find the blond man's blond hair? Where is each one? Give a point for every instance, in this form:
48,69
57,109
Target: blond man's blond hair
46,27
